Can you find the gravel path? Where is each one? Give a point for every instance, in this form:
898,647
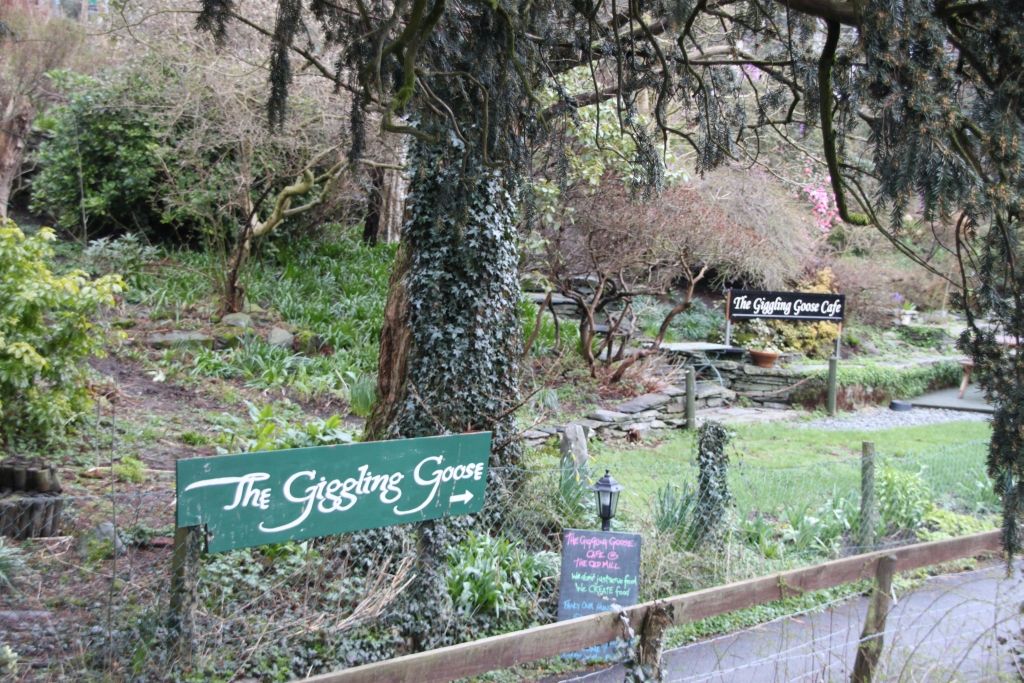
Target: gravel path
874,419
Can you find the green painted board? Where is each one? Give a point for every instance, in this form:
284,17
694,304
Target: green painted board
272,496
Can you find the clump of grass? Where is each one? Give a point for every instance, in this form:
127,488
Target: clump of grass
12,564
362,394
130,469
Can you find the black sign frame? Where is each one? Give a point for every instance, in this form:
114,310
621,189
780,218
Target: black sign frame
749,304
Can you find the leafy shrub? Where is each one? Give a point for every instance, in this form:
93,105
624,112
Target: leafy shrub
699,323
939,524
46,333
99,160
819,530
763,536
815,340
130,469
904,501
269,430
126,255
498,581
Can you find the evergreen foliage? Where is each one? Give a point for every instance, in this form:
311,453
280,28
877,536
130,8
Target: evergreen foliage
47,331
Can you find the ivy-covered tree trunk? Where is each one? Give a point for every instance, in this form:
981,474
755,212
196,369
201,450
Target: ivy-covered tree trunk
449,352
451,340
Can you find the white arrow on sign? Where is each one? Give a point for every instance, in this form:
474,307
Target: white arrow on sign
462,497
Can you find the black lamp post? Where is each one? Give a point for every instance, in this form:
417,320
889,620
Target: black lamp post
607,490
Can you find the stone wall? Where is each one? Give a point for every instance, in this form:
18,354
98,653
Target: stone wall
665,409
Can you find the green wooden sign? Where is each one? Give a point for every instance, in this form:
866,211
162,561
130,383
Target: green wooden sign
273,496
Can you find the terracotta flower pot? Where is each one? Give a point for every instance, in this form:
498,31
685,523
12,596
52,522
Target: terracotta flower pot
764,359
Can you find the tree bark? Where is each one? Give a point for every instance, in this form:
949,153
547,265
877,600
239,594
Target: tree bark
456,288
14,128
389,187
395,339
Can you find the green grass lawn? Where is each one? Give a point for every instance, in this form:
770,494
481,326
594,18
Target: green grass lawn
779,465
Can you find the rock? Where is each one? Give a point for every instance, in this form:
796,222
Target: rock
590,427
642,403
636,432
535,435
602,415
574,446
673,391
280,337
226,339
312,344
640,428
674,407
166,340
237,320
104,532
657,424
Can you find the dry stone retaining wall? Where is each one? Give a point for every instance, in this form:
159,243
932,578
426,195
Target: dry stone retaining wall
665,409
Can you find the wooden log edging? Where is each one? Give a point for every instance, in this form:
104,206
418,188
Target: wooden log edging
510,649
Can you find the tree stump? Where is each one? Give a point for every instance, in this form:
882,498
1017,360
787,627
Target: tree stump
30,502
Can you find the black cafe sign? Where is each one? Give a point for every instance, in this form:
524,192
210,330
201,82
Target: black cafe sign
742,304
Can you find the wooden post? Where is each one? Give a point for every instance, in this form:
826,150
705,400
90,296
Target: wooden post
691,398
188,544
728,318
869,650
833,372
868,505
652,636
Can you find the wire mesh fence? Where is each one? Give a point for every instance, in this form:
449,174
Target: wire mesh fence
94,600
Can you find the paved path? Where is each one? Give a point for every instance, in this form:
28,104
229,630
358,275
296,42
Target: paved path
957,627
973,400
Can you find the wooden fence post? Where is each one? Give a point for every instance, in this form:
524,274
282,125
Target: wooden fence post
691,398
833,379
652,640
868,505
869,650
188,545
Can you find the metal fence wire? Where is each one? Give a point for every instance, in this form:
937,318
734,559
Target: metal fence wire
92,601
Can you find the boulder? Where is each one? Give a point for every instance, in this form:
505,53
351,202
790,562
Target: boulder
242,320
280,337
105,532
574,446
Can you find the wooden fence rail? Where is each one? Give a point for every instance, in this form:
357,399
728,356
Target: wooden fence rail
510,649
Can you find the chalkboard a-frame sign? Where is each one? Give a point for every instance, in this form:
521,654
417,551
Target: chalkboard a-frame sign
600,570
